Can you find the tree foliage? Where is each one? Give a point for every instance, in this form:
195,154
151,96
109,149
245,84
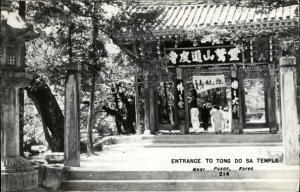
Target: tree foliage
77,33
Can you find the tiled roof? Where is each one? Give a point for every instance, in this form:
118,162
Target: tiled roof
193,16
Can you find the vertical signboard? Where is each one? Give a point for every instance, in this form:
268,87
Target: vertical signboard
180,101
235,97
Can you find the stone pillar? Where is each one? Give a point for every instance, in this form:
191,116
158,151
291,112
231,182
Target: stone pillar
289,117
72,119
147,103
271,101
17,174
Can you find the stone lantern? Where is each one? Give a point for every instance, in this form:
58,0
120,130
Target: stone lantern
16,172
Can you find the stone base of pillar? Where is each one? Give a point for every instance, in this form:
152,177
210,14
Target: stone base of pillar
235,128
19,181
147,132
273,130
182,130
237,131
17,174
241,131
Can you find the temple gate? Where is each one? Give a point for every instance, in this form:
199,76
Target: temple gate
199,40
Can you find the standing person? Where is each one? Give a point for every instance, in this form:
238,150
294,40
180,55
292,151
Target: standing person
195,118
205,115
212,112
218,118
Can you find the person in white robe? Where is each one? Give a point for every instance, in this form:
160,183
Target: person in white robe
217,119
212,111
195,119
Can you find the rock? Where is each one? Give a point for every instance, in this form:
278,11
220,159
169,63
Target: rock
39,148
98,146
37,162
52,176
41,171
57,157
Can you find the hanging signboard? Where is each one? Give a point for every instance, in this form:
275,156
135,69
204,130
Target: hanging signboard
204,83
203,55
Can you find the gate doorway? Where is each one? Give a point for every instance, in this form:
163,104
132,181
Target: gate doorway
255,110
205,101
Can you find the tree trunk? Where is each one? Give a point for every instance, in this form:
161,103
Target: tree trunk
115,114
50,112
22,11
129,113
21,121
118,116
90,149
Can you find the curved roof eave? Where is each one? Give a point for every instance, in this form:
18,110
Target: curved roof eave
176,19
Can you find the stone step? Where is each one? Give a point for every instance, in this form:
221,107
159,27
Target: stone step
218,137
195,144
180,175
220,140
182,185
185,191
207,144
209,137
213,135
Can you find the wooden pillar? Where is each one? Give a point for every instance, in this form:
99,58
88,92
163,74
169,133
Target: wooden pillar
22,12
242,105
72,119
186,109
181,103
155,109
147,102
176,99
237,121
152,110
137,95
277,103
271,101
289,117
137,101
